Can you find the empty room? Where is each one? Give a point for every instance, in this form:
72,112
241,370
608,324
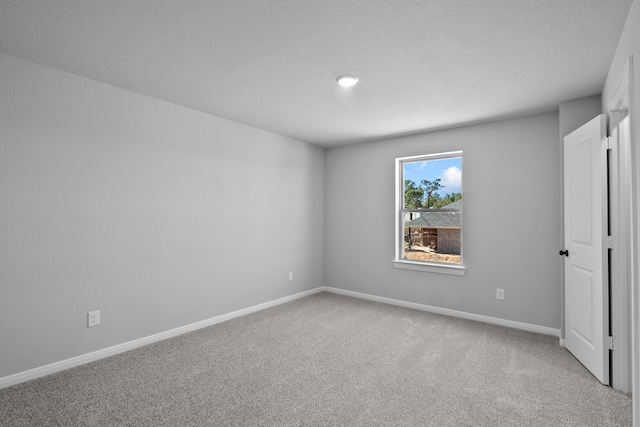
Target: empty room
302,213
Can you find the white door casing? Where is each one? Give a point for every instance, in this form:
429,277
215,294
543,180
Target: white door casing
619,261
586,269
621,223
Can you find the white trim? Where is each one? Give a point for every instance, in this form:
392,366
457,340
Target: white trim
436,156
399,261
635,248
620,99
402,264
62,365
448,312
621,197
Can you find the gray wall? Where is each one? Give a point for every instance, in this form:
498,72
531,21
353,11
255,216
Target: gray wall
511,231
577,112
156,215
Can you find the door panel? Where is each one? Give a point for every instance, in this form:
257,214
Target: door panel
580,154
582,284
586,286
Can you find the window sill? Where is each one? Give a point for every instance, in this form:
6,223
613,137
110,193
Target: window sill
457,270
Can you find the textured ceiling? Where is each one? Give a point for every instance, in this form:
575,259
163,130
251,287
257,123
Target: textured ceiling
272,64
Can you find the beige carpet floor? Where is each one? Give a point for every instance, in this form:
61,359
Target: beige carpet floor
328,360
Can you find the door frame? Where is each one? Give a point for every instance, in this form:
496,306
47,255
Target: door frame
622,225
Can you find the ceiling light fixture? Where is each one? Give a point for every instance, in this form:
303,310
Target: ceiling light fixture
347,81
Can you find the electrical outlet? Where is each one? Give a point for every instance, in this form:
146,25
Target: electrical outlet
500,294
93,318
290,275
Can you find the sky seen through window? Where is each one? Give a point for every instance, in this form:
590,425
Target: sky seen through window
448,170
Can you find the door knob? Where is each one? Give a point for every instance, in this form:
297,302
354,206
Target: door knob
565,252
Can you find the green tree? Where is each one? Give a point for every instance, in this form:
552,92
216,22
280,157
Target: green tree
412,195
430,190
446,200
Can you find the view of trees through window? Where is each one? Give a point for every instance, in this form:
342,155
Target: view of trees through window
432,209
427,195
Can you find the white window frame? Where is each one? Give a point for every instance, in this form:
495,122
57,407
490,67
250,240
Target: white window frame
428,266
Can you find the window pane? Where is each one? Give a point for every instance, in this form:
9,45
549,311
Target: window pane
432,183
425,240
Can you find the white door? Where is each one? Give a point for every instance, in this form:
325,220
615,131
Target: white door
586,267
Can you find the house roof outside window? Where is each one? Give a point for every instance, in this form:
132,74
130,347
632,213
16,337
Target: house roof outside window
438,219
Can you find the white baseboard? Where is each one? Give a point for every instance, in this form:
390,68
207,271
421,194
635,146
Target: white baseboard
120,348
52,368
453,313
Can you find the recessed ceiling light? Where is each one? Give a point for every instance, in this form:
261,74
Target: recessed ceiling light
347,81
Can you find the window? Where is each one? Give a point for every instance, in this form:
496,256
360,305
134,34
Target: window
429,213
